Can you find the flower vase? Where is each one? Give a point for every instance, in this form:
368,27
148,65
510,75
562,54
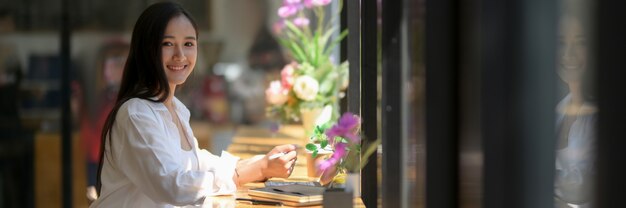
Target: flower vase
312,163
309,117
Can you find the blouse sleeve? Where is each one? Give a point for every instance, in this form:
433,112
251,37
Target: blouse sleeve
574,183
223,167
574,175
151,162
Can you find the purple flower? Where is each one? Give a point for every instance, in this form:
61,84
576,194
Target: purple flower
346,127
301,21
324,165
354,138
287,11
340,152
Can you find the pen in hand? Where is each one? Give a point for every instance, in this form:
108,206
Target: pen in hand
277,155
280,154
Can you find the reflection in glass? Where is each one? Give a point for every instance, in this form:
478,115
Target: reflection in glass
414,107
575,113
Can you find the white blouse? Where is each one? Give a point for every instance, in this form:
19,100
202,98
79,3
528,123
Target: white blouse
147,166
574,163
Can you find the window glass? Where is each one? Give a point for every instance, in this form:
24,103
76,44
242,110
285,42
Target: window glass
576,109
413,104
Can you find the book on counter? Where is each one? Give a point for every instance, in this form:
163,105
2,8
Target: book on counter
291,195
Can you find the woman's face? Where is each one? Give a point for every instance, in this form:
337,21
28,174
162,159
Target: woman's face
179,50
572,50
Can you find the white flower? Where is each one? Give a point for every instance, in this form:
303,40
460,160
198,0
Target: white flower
306,87
276,94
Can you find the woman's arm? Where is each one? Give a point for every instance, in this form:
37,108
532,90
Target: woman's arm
260,167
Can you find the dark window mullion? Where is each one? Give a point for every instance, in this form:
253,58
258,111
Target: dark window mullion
391,115
66,123
609,62
354,56
442,49
369,97
343,51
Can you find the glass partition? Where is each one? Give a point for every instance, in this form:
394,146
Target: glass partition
576,108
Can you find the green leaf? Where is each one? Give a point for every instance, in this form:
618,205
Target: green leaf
351,161
298,36
319,129
323,144
314,50
314,155
371,148
324,39
327,85
327,76
341,139
295,49
287,45
332,45
293,28
311,147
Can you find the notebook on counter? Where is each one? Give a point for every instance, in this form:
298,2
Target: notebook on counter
284,183
291,195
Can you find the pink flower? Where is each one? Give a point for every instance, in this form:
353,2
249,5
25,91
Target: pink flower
292,1
286,76
287,11
301,21
276,94
320,2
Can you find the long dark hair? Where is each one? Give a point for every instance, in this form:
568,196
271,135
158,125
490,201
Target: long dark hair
144,76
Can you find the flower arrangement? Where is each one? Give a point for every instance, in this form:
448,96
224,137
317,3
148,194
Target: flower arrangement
312,80
344,140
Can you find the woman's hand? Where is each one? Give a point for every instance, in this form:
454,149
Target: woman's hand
261,167
280,166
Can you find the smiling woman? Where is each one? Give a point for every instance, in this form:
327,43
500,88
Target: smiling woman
179,50
149,156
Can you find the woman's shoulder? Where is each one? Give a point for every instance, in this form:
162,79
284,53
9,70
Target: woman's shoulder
135,103
136,106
